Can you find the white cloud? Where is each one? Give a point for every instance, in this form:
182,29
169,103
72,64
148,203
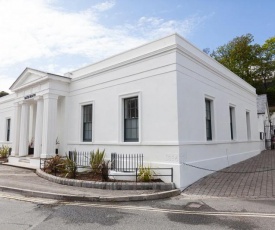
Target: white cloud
104,6
6,82
153,27
36,29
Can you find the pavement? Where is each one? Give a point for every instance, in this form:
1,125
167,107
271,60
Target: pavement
26,182
252,178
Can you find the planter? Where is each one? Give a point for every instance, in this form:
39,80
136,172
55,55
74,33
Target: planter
3,160
30,151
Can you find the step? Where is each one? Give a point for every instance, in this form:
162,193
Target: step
24,160
21,165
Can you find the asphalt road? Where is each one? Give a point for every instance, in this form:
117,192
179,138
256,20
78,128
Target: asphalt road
177,213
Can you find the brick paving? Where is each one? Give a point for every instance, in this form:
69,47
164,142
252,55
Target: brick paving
243,184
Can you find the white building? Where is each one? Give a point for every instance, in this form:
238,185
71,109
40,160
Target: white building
264,121
165,99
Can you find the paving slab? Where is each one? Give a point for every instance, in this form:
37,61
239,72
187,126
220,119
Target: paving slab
26,182
252,178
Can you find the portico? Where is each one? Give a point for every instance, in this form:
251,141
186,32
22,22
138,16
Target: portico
35,123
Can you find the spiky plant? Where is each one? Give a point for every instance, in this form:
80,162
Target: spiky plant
71,166
4,151
96,160
145,174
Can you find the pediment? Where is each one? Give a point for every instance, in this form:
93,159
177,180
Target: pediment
28,77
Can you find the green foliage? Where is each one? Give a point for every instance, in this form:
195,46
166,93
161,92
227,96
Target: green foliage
70,166
4,151
271,95
239,55
104,166
97,158
55,165
3,93
145,174
252,62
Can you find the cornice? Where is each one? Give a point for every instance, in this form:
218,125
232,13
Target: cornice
42,80
143,57
242,84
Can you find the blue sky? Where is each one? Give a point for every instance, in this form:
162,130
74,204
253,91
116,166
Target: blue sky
61,35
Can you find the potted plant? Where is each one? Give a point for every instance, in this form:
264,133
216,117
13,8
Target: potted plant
31,146
4,153
56,145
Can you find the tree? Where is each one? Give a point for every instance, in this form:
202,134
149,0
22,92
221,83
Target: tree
265,65
239,55
252,62
3,93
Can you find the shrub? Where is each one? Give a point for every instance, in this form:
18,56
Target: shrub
71,166
145,174
104,166
4,151
97,158
55,165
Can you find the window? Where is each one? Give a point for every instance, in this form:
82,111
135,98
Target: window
8,129
208,119
87,122
131,131
248,126
232,123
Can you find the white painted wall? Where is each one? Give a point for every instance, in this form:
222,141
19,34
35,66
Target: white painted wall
154,81
6,111
200,77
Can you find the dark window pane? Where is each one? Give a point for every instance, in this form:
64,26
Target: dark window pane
87,122
131,119
128,133
8,129
134,123
231,122
208,119
134,133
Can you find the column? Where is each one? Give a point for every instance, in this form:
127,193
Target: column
38,127
49,131
15,124
24,130
32,121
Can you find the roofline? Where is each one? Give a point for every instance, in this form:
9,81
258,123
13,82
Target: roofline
46,73
118,54
205,59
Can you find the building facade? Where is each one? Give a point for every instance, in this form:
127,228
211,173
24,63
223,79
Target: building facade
165,99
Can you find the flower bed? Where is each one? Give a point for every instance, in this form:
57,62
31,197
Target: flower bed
112,185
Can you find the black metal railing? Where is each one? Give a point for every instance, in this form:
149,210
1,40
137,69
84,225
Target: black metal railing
155,173
80,158
126,162
119,162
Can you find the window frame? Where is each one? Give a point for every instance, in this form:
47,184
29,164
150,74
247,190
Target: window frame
208,119
248,124
82,135
134,116
121,130
8,129
232,121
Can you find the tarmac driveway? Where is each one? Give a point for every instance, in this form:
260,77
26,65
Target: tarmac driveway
252,178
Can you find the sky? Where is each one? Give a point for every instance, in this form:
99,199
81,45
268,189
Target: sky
58,36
